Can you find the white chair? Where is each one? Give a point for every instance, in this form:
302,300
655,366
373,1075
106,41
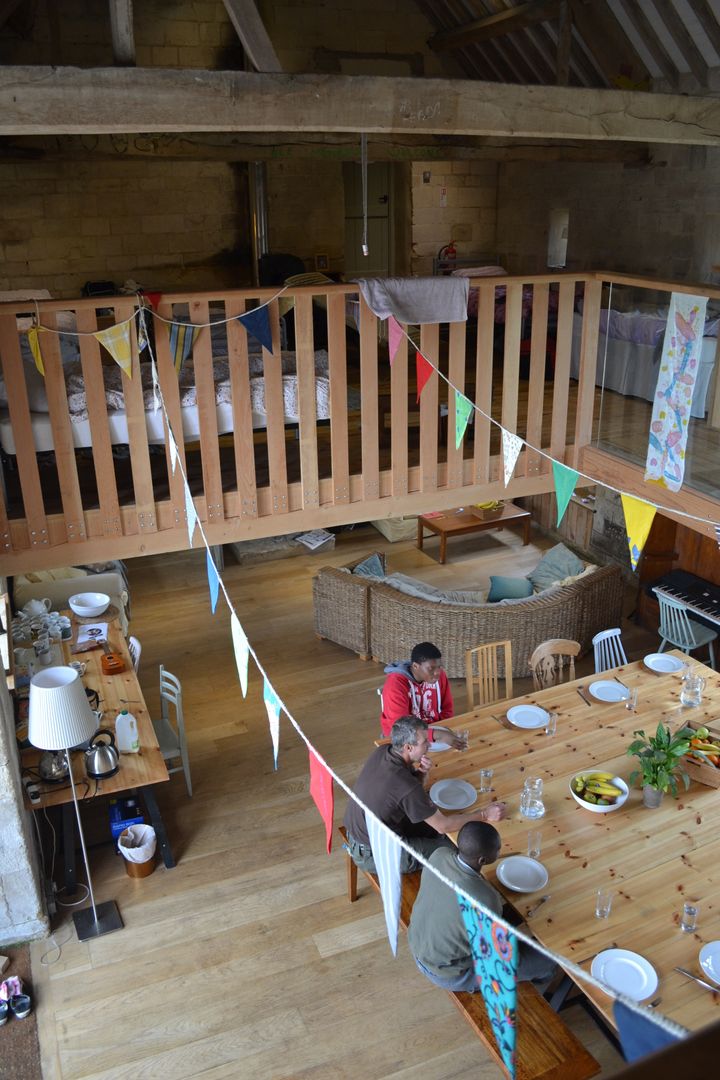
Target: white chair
680,630
608,649
172,739
134,648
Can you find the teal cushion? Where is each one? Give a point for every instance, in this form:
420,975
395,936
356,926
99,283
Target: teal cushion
557,563
370,567
508,588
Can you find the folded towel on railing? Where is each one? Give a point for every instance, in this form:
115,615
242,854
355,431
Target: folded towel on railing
417,300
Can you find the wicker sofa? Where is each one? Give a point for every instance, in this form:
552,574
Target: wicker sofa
375,620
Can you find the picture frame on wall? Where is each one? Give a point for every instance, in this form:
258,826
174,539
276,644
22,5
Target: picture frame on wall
322,262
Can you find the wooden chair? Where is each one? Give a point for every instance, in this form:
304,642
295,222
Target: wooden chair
550,659
134,648
173,744
482,673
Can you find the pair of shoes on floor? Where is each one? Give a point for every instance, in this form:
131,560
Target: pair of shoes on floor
13,1000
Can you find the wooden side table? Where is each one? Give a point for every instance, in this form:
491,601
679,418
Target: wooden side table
470,519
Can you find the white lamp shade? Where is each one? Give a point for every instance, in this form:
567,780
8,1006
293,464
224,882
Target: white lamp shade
59,715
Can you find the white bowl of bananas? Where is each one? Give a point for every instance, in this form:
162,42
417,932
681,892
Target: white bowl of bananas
599,792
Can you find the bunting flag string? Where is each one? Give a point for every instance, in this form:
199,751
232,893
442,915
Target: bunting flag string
321,790
272,704
116,339
512,445
495,959
241,650
182,338
213,580
257,323
395,336
424,370
33,335
638,519
565,480
463,412
386,855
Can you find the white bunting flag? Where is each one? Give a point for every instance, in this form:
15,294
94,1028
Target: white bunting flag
386,854
172,447
272,704
240,645
512,445
191,513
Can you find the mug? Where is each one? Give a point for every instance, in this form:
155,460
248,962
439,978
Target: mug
23,657
78,666
37,607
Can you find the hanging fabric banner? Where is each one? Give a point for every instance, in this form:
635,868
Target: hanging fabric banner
257,323
272,705
679,362
213,580
321,790
116,339
495,959
182,338
638,519
190,514
565,480
34,343
512,445
463,412
386,853
242,652
424,370
395,336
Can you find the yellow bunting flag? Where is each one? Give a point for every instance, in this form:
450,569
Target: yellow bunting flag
116,339
638,519
34,343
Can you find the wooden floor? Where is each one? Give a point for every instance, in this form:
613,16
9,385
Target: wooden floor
247,960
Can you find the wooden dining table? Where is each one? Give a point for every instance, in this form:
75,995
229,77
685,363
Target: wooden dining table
653,859
141,771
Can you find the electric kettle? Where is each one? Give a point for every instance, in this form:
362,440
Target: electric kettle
101,757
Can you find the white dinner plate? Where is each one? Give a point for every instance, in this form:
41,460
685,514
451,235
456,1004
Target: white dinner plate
453,794
435,746
604,690
663,664
522,874
625,972
710,960
527,716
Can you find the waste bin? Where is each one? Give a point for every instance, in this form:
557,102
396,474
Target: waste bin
137,845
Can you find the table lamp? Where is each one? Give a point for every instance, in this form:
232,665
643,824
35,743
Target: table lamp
60,717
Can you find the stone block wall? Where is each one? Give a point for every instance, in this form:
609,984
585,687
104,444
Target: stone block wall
458,202
306,210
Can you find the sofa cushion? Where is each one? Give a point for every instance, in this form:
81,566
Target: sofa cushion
370,567
508,588
473,597
412,587
557,563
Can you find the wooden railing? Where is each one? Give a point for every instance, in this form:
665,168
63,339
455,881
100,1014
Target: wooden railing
377,454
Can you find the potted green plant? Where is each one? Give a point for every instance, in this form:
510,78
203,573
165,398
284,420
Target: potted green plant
659,756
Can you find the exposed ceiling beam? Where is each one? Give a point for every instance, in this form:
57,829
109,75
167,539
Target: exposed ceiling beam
6,9
35,99
706,18
682,39
503,22
564,45
123,36
652,42
250,28
608,43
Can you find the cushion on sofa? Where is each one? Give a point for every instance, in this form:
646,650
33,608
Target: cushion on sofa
412,587
557,563
370,567
464,596
508,588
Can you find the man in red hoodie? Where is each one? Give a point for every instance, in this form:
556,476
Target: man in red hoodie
419,687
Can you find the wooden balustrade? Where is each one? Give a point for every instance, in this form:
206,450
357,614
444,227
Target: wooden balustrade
83,492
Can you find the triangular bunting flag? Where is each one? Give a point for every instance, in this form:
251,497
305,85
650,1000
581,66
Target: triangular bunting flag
116,339
463,412
156,388
242,652
395,336
512,445
182,338
34,343
424,371
153,298
321,790
638,519
386,854
172,446
142,337
495,959
257,323
213,581
272,705
565,480
190,513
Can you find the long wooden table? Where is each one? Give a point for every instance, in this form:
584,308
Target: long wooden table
142,770
653,859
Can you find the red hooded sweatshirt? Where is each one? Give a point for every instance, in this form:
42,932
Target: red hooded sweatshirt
403,696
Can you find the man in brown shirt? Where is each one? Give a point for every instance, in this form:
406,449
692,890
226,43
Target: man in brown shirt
391,784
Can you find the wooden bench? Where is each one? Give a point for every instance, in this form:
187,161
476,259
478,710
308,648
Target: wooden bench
545,1050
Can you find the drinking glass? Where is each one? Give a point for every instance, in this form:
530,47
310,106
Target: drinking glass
531,804
689,917
534,843
485,784
692,688
463,736
551,725
603,903
631,702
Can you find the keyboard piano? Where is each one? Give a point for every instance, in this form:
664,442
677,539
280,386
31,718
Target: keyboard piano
701,598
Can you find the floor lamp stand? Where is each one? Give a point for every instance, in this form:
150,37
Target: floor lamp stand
98,919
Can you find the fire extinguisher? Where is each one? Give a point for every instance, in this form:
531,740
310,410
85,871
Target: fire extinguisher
448,253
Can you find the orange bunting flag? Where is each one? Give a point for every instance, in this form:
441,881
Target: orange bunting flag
34,343
424,371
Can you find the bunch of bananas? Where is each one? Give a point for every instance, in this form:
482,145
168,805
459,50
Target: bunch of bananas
596,788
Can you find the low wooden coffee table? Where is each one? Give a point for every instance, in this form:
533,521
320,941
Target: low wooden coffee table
470,519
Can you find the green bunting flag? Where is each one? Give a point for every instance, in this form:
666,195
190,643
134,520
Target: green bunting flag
565,480
463,412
